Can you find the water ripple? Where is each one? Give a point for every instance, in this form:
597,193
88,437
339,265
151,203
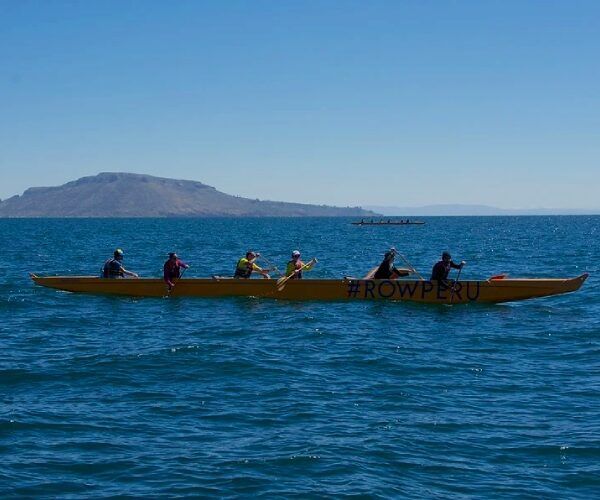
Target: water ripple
245,397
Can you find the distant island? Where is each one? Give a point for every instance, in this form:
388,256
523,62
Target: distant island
474,210
136,195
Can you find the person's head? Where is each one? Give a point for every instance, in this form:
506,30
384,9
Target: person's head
446,257
295,254
172,256
250,254
118,254
390,254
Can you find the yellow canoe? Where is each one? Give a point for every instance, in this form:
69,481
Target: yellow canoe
491,290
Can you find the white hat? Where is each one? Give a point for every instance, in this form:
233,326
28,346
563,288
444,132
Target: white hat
296,253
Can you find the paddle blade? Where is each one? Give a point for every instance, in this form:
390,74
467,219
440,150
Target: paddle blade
281,283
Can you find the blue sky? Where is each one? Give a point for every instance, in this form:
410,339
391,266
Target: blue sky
343,102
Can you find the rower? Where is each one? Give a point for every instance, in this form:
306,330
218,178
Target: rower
246,265
442,268
172,269
296,266
387,270
113,268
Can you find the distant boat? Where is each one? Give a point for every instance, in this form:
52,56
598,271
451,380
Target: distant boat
389,222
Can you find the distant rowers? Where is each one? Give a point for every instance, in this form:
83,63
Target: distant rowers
247,265
172,269
387,270
441,270
295,266
113,268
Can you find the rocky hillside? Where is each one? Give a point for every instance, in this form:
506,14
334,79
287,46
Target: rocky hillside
136,195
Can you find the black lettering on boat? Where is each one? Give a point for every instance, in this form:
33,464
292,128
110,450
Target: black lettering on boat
369,287
405,288
475,295
457,288
441,288
353,288
391,291
426,287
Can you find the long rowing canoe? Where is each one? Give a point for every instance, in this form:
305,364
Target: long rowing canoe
387,223
490,290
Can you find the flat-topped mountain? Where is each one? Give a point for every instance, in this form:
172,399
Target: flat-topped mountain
137,195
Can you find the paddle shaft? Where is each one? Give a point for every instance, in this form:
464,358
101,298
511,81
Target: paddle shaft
281,282
455,283
412,268
271,265
177,281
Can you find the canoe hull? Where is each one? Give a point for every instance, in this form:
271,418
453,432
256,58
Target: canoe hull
416,223
490,291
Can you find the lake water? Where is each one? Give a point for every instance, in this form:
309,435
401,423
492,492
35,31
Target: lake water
107,396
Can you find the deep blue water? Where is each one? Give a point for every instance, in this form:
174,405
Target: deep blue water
110,396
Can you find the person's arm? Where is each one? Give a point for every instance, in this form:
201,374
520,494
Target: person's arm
453,265
180,263
308,266
260,270
129,273
396,273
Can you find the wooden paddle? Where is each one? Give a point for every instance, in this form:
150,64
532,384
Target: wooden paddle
410,266
271,266
281,282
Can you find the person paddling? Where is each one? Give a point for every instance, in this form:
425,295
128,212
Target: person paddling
247,265
296,266
113,268
172,269
441,269
387,270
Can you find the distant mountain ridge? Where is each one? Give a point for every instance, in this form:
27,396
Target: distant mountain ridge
117,194
475,210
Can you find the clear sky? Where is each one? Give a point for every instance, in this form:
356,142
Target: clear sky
338,102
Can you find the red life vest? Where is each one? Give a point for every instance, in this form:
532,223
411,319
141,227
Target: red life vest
172,270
